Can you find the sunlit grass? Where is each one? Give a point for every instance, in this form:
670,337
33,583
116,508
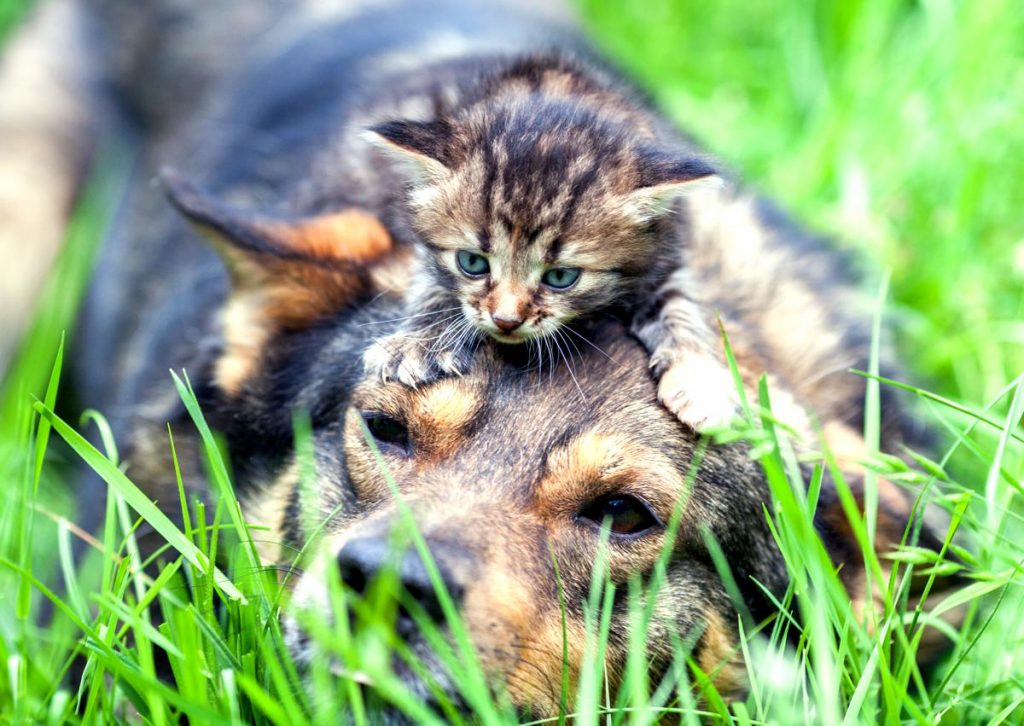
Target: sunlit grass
220,635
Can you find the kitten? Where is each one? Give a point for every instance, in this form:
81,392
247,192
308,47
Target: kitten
542,196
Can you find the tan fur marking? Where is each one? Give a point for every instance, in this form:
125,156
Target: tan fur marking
270,294
846,445
596,462
352,235
576,469
441,413
850,451
265,507
721,658
531,632
363,468
246,332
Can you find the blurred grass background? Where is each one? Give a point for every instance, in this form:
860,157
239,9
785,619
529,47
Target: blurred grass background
11,12
896,126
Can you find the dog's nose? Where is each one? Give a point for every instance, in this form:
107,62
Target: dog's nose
506,325
361,560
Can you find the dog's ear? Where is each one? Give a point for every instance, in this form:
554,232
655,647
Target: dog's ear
897,523
285,274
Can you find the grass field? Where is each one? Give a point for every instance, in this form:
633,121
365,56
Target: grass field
895,126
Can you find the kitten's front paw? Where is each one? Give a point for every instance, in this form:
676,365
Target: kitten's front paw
411,362
697,389
399,358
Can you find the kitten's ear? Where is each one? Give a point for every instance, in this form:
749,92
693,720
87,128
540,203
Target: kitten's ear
425,149
663,178
285,274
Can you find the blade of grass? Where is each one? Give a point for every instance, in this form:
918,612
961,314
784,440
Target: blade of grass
138,501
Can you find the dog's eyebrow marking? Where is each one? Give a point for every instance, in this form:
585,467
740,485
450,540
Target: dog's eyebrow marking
391,398
590,453
593,462
443,412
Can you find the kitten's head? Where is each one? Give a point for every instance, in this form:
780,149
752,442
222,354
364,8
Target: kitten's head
539,210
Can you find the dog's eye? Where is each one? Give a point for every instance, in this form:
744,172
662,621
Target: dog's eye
623,513
387,430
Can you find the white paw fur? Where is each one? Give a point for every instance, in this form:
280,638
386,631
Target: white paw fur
699,390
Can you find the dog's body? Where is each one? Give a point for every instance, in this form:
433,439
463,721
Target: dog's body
497,465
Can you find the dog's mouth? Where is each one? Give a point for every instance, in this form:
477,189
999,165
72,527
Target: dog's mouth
417,678
442,701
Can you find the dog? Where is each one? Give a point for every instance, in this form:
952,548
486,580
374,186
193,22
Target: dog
269,265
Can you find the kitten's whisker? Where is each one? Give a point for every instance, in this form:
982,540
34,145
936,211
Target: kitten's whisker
443,321
460,331
555,338
534,349
438,341
410,317
531,351
448,321
452,335
463,332
589,342
568,342
470,334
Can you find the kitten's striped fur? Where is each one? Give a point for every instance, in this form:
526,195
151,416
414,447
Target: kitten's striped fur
546,164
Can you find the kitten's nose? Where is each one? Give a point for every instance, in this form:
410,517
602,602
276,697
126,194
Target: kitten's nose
506,325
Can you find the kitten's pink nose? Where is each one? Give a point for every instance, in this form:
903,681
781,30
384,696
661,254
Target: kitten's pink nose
506,325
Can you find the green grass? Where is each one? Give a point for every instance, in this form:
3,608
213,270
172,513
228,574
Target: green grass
11,11
895,126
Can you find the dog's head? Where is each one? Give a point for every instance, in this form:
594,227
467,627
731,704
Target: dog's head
518,479
510,475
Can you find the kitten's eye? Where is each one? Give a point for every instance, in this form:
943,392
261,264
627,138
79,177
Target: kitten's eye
387,430
624,514
472,264
561,278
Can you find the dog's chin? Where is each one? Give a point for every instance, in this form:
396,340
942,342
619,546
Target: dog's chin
435,686
431,689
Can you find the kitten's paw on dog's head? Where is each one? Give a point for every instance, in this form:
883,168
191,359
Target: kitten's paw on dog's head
401,358
699,390
411,361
